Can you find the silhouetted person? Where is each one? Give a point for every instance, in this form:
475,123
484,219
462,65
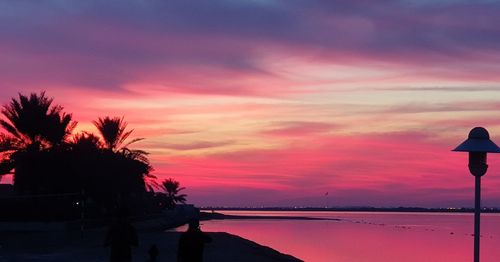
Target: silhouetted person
153,253
192,243
121,237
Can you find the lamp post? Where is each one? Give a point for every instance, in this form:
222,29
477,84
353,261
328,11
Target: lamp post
478,144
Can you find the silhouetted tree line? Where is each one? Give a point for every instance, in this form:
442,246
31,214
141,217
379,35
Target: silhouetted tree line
39,148
171,195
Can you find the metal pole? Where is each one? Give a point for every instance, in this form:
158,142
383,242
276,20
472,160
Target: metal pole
477,218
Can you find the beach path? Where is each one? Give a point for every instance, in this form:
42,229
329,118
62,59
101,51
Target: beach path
63,247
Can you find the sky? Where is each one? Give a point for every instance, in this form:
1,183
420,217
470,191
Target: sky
275,102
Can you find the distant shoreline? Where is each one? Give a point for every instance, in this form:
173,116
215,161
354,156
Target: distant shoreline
356,209
216,215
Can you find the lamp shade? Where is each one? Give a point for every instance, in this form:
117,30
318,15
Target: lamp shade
478,141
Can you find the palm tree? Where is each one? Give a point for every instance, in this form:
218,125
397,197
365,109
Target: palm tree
172,190
85,142
32,121
35,131
32,124
36,146
60,126
113,132
127,168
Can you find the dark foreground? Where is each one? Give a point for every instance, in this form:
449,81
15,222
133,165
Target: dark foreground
62,247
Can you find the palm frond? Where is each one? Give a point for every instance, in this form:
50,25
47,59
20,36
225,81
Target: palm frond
35,120
8,144
135,140
112,131
9,128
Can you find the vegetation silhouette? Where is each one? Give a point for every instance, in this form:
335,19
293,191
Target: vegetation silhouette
172,195
45,157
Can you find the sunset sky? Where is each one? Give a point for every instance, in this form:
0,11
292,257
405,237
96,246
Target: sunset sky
276,102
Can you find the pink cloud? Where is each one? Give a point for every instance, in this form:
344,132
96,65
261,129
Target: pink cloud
375,167
298,128
196,145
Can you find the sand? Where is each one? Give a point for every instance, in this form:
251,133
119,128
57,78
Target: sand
64,246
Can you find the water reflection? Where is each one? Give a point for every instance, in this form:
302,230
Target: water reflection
365,236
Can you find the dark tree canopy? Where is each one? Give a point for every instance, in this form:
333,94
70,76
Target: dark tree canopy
34,121
113,132
172,190
38,147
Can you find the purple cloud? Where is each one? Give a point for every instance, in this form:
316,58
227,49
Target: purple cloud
93,44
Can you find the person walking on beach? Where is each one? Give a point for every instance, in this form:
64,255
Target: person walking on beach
121,237
191,243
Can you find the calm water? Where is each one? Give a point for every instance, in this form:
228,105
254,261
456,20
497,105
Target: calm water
369,236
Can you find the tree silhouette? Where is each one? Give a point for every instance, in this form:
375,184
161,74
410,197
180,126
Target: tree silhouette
127,167
36,129
113,132
86,142
39,149
172,195
34,122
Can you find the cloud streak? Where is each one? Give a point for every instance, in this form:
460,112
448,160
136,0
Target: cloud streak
372,164
119,43
299,129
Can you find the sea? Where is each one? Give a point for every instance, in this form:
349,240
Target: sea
368,236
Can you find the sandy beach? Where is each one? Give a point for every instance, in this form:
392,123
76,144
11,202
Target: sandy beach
63,246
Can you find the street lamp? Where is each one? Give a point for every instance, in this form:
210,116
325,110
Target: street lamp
478,144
